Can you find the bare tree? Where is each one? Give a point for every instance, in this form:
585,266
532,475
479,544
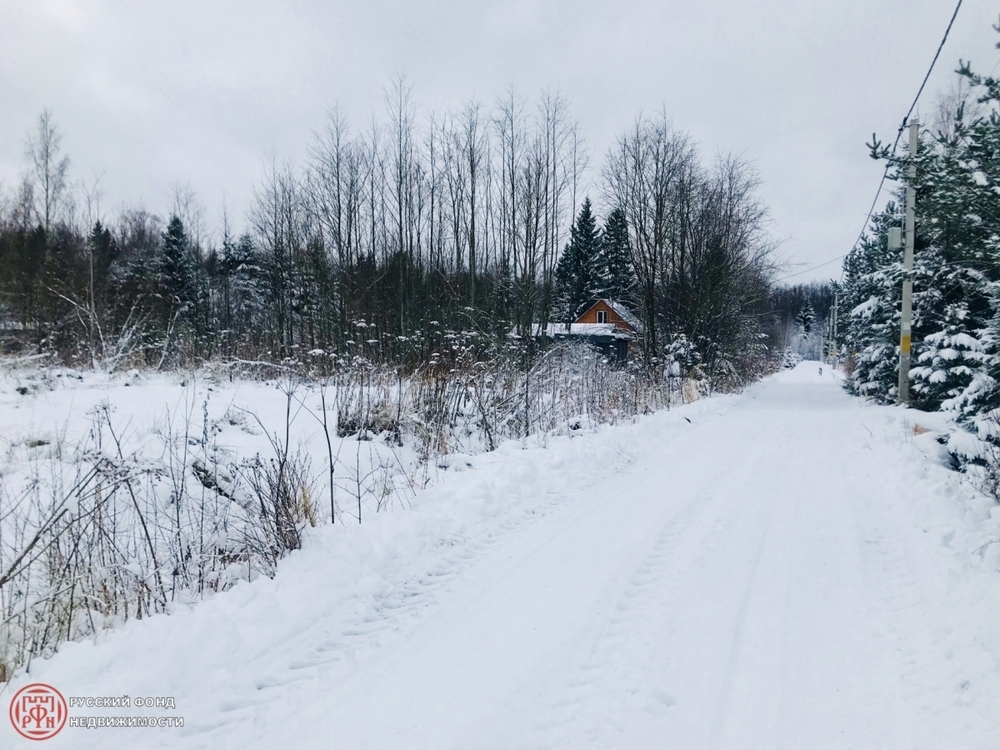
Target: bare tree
958,106
281,224
48,171
191,211
698,239
643,173
336,184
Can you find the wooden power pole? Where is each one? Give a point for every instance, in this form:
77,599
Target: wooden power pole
836,312
906,315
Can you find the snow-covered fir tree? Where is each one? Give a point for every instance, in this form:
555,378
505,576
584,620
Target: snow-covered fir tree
949,361
243,290
955,274
869,297
806,317
618,273
579,277
178,270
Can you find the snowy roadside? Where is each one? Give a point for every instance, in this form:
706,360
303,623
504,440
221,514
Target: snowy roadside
353,586
187,467
354,596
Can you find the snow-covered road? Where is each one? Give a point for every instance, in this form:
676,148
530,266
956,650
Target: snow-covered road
785,570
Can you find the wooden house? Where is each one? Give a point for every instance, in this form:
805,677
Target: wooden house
610,311
606,324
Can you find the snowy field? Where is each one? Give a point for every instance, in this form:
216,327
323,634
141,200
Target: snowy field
47,413
785,568
149,490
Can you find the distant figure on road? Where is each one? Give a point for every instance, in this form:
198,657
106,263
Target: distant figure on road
821,371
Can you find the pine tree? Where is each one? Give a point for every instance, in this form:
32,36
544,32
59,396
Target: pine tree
806,317
578,273
618,274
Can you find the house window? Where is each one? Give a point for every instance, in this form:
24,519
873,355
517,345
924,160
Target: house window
602,316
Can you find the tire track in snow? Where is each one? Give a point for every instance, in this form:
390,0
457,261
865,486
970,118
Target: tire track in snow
605,679
393,611
611,678
765,587
739,633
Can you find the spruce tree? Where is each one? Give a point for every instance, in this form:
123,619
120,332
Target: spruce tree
178,275
177,266
247,288
101,250
618,274
949,360
806,317
870,301
958,221
578,273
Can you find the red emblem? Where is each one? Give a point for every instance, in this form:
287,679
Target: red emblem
38,711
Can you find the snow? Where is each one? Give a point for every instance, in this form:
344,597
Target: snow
865,309
625,314
966,341
555,330
58,406
965,444
785,568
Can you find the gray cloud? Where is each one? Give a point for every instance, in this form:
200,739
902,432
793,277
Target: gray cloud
156,94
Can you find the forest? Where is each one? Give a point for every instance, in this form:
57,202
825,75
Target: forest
476,223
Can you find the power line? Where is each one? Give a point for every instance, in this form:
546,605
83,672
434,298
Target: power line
799,273
944,39
902,125
899,134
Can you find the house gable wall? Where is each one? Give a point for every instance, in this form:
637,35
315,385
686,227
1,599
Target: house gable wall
590,316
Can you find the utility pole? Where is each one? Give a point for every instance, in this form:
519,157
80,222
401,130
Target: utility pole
836,311
906,315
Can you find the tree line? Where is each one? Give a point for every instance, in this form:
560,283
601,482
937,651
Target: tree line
389,236
956,275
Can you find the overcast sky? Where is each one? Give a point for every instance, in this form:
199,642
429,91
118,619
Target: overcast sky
151,95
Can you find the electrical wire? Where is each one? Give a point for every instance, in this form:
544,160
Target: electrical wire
937,54
799,273
899,134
